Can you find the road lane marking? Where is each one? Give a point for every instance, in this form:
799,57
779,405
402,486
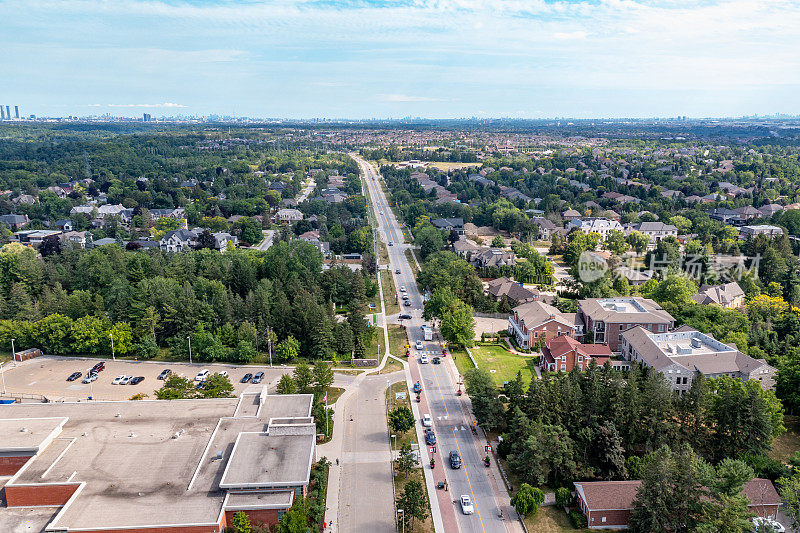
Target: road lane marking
470,484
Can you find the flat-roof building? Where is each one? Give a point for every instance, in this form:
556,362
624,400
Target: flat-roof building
607,318
150,466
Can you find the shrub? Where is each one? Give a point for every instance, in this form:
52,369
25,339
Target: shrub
563,497
578,520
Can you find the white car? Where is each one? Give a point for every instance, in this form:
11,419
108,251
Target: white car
427,421
403,288
223,373
767,524
89,378
118,380
466,504
125,380
419,345
202,375
423,359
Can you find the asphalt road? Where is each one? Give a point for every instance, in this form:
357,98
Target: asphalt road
451,414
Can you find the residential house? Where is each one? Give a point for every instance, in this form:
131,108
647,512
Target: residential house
85,209
64,224
607,318
176,213
570,215
770,209
603,226
728,295
24,199
288,216
222,238
682,354
33,237
608,504
103,242
465,248
178,240
545,227
562,354
748,212
78,239
110,210
489,257
512,290
450,224
534,320
726,216
14,221
762,229
655,230
313,238
634,277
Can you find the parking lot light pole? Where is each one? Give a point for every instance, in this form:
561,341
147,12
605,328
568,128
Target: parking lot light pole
114,357
4,377
403,520
190,349
394,437
13,353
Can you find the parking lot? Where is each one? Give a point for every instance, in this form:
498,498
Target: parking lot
47,376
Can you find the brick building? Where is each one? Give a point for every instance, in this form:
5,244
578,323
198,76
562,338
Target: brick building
564,353
605,319
531,321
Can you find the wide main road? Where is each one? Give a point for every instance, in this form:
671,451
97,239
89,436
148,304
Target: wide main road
451,415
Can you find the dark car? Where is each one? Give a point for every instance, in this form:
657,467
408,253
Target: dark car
246,378
99,367
430,437
74,376
136,380
200,385
397,271
407,303
436,360
258,377
455,460
405,316
164,373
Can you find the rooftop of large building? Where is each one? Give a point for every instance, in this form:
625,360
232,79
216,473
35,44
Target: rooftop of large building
631,309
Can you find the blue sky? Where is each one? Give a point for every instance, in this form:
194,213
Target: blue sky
430,58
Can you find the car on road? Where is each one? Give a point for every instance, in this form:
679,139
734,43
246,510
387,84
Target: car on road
397,271
455,460
402,288
223,373
247,377
761,523
427,421
74,376
118,379
423,359
89,378
430,437
136,380
436,360
257,378
466,504
404,316
165,373
125,380
406,297
99,367
407,303
418,345
390,243
202,375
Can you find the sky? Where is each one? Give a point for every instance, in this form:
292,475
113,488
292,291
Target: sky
392,59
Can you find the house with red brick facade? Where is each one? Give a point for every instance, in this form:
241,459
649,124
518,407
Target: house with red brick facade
533,321
564,353
183,466
605,319
608,504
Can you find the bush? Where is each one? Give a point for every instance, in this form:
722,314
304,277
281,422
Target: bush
578,520
563,497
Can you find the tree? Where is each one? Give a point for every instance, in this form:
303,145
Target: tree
675,289
287,350
414,502
206,240
287,385
486,403
638,241
250,230
616,242
323,377
217,386
563,497
407,459
429,240
401,419
441,300
176,387
790,494
458,326
498,242
683,224
51,245
527,500
240,523
304,377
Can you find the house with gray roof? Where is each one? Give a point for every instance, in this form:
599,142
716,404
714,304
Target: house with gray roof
655,230
728,295
682,354
607,318
450,224
178,240
761,229
513,290
14,221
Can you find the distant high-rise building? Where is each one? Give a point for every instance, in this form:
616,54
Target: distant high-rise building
146,117
16,111
8,112
2,113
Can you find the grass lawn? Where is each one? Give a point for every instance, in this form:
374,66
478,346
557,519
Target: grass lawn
398,340
787,444
446,165
411,262
550,520
392,365
389,291
333,394
463,364
502,364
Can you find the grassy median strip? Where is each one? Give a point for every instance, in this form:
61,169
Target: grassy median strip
389,291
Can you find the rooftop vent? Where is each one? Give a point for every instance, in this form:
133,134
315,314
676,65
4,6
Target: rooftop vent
696,342
218,455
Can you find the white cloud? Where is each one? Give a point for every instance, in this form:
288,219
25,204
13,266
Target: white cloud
165,104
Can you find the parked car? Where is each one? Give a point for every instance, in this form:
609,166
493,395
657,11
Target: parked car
390,243
246,378
202,375
407,303
403,288
466,504
427,421
74,376
430,437
436,360
126,380
258,377
89,378
397,271
418,345
455,460
761,523
223,373
404,316
423,359
406,297
165,373
118,379
136,380
99,367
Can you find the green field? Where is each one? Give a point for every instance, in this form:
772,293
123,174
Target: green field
499,362
550,520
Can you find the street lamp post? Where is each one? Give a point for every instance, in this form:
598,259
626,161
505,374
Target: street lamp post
4,377
112,346
269,343
394,437
402,520
190,349
13,352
